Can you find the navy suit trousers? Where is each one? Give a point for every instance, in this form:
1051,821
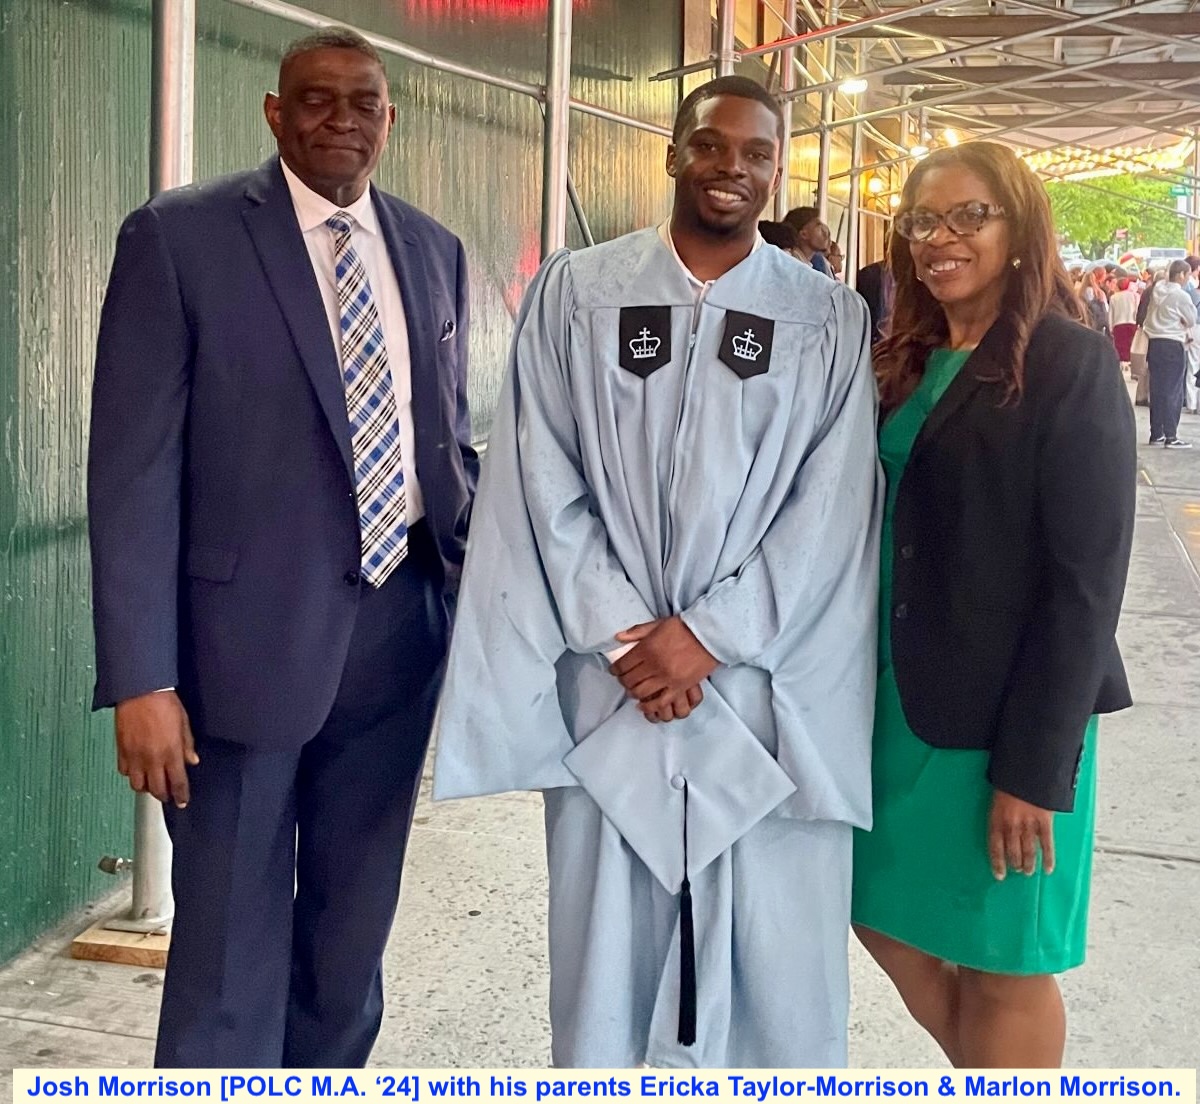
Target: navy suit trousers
287,862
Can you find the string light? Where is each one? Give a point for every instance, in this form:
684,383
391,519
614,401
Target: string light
1073,162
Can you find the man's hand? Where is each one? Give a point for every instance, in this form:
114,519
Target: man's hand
155,747
666,707
665,669
1015,829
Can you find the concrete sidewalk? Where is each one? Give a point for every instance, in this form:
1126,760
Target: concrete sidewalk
467,971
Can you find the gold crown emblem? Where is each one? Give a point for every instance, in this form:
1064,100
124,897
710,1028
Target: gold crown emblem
644,346
746,347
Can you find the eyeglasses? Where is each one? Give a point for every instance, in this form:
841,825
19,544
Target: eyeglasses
964,219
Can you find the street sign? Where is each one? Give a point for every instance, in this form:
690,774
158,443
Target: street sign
1180,190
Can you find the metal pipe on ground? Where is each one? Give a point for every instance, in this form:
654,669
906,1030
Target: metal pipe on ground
172,100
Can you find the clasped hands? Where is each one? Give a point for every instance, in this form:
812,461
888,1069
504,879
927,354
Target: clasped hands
664,669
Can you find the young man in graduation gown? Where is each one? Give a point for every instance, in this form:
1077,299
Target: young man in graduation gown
668,619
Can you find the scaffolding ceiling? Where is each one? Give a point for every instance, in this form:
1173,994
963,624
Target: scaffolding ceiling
1098,73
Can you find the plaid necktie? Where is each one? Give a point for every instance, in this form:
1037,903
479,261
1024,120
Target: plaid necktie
371,405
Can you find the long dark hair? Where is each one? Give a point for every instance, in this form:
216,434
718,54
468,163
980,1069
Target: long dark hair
1038,287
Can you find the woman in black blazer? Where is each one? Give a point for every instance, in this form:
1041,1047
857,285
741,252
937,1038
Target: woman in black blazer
1009,445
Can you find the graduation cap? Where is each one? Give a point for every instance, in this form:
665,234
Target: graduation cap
680,794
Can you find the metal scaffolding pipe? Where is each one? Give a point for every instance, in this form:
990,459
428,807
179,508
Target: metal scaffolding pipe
305,18
786,83
955,97
852,231
726,37
805,38
996,44
1195,196
294,14
824,155
172,93
172,99
836,30
1068,18
556,140
789,25
580,215
1033,124
585,108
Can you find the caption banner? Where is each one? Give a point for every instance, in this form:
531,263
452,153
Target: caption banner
536,1086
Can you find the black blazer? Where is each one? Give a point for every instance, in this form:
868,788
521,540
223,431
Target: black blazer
1012,533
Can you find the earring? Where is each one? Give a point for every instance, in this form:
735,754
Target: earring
1016,262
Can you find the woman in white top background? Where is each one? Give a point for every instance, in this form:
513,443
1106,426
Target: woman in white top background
1170,316
1122,315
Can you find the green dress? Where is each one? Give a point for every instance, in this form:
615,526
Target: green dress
922,874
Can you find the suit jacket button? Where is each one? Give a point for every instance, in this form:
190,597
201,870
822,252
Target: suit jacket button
907,552
901,611
351,578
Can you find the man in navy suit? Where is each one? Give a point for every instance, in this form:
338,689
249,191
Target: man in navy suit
279,483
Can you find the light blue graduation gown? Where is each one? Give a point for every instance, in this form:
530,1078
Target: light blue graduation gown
737,485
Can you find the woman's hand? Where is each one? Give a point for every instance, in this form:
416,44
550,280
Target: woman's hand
1015,830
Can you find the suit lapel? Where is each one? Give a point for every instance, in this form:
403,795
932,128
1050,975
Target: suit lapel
271,221
408,261
981,368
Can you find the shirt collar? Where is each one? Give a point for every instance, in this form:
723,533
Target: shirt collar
312,209
664,233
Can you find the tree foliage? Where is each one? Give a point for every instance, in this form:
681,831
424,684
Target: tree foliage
1090,219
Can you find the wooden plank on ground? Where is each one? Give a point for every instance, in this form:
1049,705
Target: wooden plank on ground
101,944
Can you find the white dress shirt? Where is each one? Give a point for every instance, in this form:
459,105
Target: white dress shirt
311,212
699,287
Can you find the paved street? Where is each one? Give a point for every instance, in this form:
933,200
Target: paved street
467,966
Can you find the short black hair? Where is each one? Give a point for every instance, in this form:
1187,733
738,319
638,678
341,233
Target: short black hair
744,87
780,234
799,217
330,38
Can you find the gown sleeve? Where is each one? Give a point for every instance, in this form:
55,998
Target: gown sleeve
540,579
828,524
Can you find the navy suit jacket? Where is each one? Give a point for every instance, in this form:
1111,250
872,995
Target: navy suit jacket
221,504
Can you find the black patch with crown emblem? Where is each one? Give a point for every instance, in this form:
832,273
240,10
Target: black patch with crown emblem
645,339
746,346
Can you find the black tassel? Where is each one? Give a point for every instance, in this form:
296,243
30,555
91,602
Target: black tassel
687,948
